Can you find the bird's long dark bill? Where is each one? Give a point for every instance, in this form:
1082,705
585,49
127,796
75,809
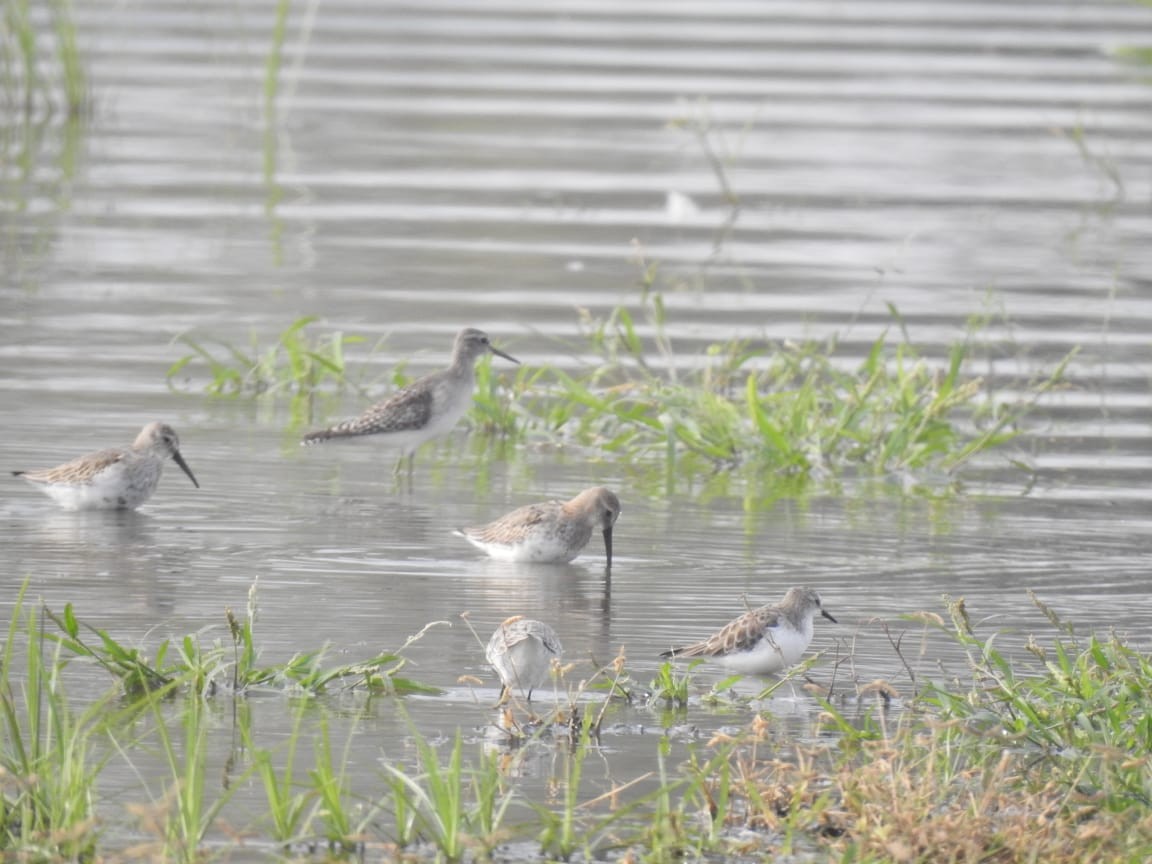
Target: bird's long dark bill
500,353
608,547
829,617
179,460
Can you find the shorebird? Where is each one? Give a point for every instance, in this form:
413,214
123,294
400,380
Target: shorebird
119,478
553,532
521,651
764,641
426,408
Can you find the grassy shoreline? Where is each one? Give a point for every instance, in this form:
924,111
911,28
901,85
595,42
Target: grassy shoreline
1042,757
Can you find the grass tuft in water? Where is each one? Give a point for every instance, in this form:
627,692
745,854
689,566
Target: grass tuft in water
439,799
344,819
671,686
1085,715
48,764
136,674
181,818
298,364
790,410
288,806
790,415
205,670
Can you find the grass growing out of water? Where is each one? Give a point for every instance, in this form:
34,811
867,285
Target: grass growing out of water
1017,761
288,813
790,411
1087,717
670,685
181,818
48,768
298,364
205,670
453,808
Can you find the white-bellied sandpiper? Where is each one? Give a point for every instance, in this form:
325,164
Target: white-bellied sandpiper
119,478
426,408
552,532
764,641
521,651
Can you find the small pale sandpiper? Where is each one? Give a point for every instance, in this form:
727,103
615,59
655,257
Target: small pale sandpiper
521,651
119,478
552,532
426,408
763,641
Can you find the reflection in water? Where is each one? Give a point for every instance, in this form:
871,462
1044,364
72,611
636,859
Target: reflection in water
40,155
105,561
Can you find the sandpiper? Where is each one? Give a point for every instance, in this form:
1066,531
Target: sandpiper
552,532
428,407
764,641
521,651
119,478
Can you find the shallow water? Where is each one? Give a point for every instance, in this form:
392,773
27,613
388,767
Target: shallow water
498,165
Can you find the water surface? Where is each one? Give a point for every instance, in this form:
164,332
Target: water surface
501,165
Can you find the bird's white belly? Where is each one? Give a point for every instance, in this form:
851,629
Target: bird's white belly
771,654
445,414
526,665
114,488
545,548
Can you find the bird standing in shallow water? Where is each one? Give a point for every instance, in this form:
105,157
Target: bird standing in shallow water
118,478
426,408
521,651
553,532
764,641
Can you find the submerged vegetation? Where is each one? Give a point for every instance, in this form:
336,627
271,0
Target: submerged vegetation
1010,762
793,411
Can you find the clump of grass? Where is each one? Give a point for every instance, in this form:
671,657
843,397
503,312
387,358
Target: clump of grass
205,670
789,410
137,674
288,808
181,817
298,364
48,765
336,809
670,686
1085,714
451,807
